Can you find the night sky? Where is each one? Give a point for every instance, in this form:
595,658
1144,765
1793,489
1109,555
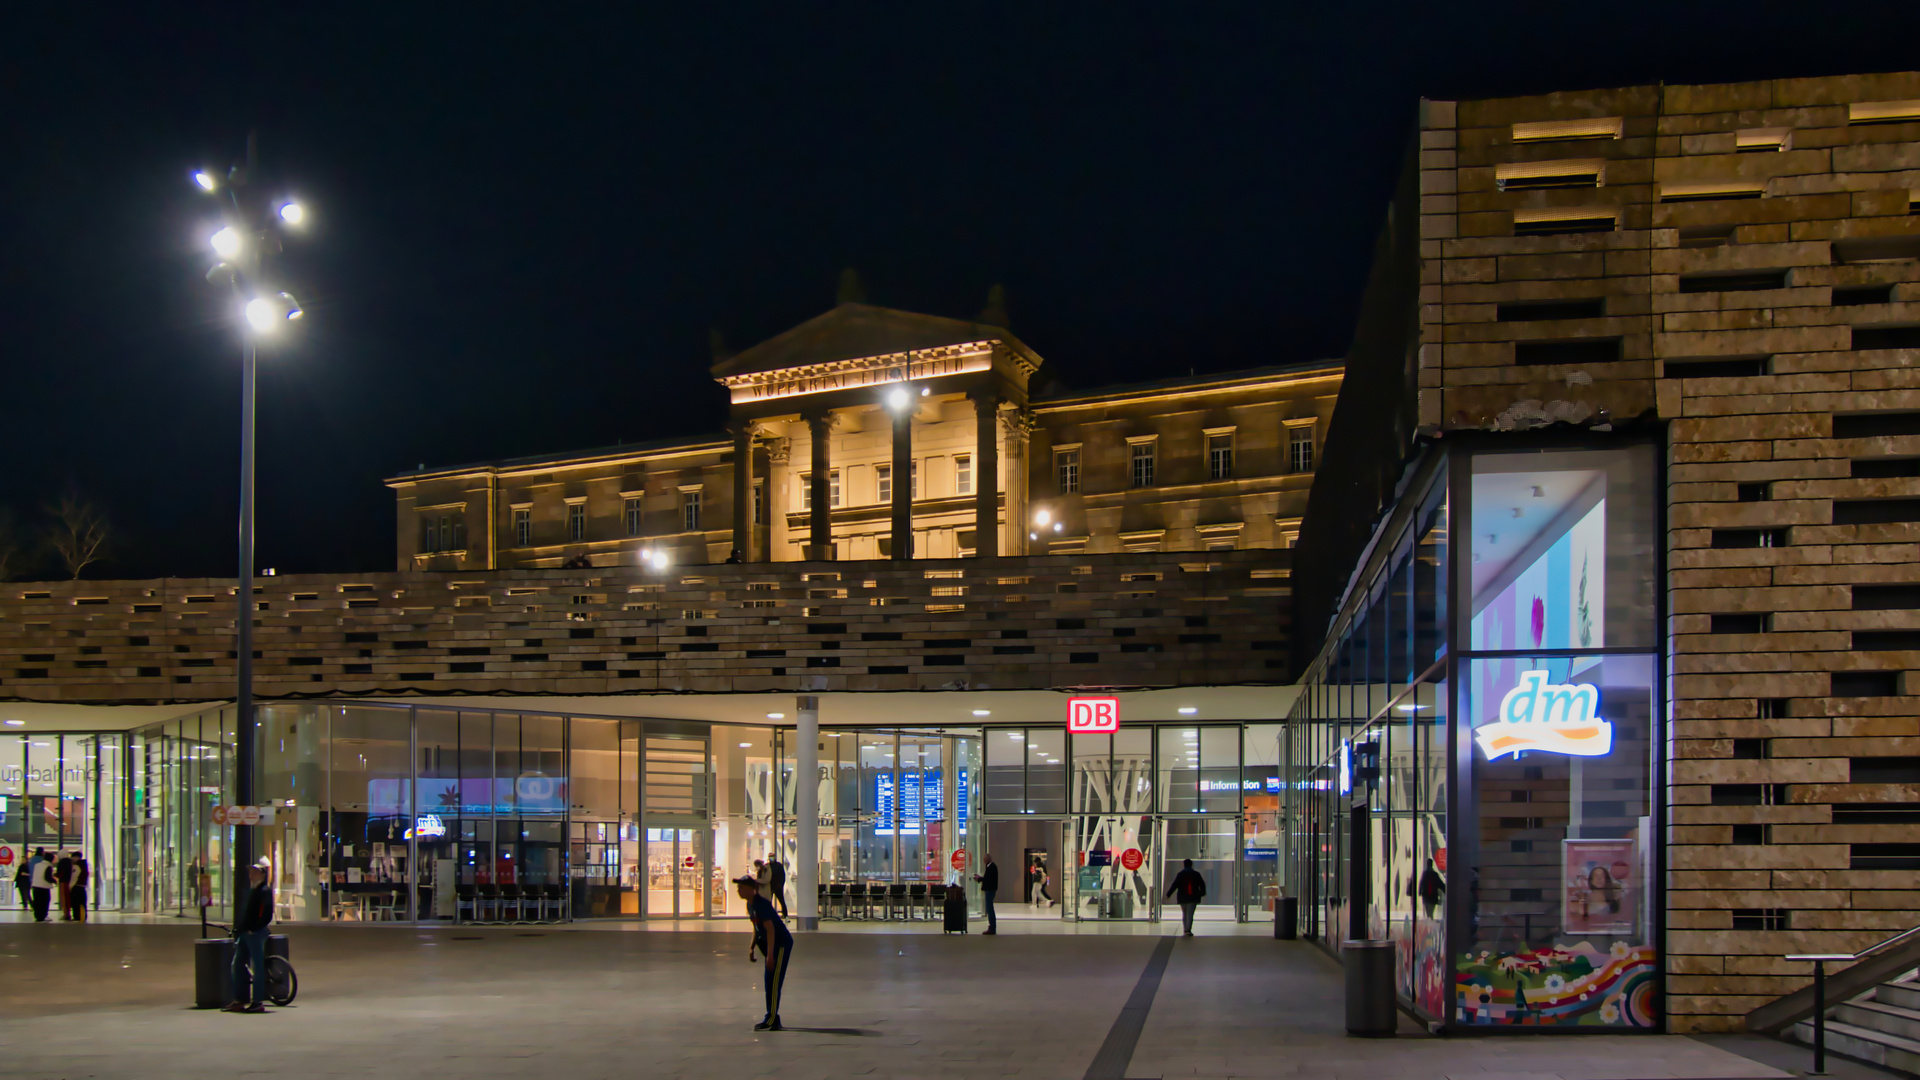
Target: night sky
526,225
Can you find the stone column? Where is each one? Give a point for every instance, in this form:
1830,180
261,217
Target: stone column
743,492
805,878
903,480
1017,427
986,474
820,537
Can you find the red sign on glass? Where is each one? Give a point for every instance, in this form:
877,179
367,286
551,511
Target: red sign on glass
6,856
1132,858
959,859
1093,715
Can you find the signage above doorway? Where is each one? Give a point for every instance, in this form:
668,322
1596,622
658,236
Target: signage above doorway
1093,715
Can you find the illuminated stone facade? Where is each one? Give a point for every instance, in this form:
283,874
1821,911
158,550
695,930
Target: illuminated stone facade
1217,462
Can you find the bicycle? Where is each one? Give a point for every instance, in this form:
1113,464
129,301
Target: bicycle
282,984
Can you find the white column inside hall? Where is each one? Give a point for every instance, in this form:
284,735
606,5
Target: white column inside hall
806,811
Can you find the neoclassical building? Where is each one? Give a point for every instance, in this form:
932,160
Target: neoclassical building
869,433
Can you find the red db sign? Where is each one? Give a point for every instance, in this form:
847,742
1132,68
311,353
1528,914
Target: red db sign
1132,858
1093,715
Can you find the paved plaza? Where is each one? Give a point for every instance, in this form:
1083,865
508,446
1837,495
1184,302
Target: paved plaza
111,999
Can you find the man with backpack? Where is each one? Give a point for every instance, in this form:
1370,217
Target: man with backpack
1191,889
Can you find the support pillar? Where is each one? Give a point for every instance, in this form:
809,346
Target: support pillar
806,814
742,494
986,474
903,480
820,535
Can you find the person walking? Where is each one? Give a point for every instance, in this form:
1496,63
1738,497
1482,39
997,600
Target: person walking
23,883
773,940
989,879
1042,889
250,922
77,888
40,885
62,880
777,881
1192,888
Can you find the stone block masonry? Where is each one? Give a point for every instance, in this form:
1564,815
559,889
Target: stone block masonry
1742,264
1041,622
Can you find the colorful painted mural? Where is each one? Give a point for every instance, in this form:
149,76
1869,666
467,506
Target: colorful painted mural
1556,986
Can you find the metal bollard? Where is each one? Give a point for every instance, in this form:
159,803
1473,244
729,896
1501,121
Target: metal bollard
1372,1012
1286,918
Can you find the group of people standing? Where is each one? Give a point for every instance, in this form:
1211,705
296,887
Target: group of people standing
42,876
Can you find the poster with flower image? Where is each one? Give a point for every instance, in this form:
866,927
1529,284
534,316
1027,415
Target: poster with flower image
1599,886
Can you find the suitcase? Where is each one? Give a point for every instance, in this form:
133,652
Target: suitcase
955,911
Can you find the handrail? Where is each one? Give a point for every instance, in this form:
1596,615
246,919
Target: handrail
1820,962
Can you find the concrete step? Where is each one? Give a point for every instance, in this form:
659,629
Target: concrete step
1905,995
1876,1015
1864,1044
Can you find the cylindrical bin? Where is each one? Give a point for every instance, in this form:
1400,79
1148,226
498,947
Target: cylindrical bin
1371,1010
212,972
1286,918
213,968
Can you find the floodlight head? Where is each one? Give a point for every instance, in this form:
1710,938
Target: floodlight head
221,276
266,313
1042,517
205,180
293,213
897,398
227,242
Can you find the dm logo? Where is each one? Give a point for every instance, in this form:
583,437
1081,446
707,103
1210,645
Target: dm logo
1553,719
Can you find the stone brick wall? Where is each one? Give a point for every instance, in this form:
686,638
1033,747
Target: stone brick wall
1758,292
1037,622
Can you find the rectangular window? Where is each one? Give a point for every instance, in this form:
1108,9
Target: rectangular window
576,521
883,483
963,474
806,491
457,540
1220,457
1143,464
1300,449
429,535
913,478
634,517
690,511
1066,466
833,487
759,503
522,526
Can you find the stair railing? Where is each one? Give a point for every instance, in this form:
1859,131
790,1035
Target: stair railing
1820,962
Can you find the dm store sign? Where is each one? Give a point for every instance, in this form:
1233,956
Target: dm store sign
1546,718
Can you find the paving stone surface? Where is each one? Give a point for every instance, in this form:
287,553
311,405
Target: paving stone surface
112,1000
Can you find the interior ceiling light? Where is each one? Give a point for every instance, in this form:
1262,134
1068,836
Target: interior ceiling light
782,716
1188,710
983,712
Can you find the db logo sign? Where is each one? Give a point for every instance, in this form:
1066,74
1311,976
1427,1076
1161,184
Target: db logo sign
1093,715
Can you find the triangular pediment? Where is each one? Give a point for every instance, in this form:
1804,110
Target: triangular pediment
857,331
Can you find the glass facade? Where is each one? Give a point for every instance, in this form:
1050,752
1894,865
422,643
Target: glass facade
1095,825
1469,766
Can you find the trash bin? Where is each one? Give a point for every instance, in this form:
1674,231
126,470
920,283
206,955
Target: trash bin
212,971
1372,1012
213,968
1286,918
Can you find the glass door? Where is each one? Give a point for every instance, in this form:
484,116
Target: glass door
1213,843
676,872
1109,862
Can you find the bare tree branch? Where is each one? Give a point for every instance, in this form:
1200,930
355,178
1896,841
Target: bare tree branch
77,533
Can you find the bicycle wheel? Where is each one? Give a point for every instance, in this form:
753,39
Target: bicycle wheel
282,984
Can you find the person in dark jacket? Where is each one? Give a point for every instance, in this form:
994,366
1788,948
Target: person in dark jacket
250,922
777,881
40,884
773,940
77,888
63,880
1191,889
989,879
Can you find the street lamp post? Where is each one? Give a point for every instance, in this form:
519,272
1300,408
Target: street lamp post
242,244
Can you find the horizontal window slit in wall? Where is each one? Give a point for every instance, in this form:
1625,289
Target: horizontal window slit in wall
1745,281
1876,425
1864,684
1887,641
1890,468
1749,538
1551,310
1563,225
1536,175
1567,351
1706,236
1875,511
1883,112
1885,813
1717,367
1674,193
1884,857
1605,127
1853,250
1859,295
1886,597
1886,337
1761,140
